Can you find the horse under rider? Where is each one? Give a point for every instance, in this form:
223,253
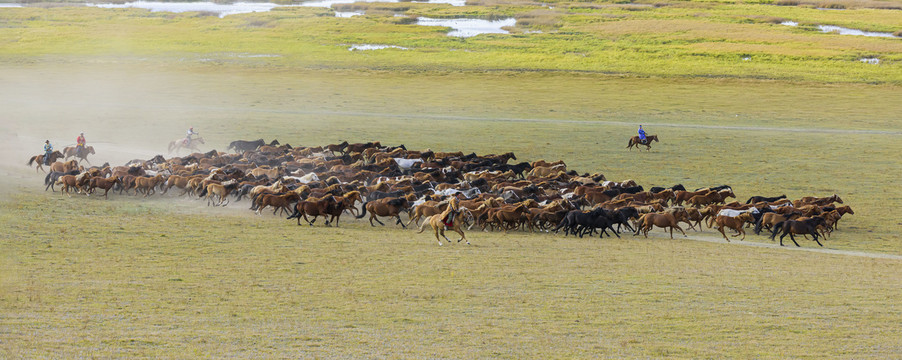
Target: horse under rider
188,136
80,144
452,210
48,149
641,135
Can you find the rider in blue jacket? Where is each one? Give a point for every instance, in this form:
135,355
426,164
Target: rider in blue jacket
641,135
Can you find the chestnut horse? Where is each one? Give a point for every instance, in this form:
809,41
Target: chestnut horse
40,160
733,222
438,226
667,220
391,207
634,141
104,183
70,151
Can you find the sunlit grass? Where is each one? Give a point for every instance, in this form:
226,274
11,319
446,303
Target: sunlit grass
677,40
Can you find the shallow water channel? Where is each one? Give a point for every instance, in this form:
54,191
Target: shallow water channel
845,31
461,27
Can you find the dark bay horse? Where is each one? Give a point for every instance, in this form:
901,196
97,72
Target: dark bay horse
634,141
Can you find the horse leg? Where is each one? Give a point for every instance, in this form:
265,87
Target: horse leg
462,236
814,235
743,233
436,230
613,231
680,229
793,239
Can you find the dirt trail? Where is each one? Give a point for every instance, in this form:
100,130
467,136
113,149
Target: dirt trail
776,245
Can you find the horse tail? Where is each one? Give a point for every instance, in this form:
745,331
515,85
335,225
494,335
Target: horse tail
563,223
47,179
363,213
630,143
32,160
254,200
203,192
777,227
425,222
296,213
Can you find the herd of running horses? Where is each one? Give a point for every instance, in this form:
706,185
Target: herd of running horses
492,192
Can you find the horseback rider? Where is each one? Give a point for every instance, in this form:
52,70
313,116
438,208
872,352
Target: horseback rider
188,136
452,211
80,144
641,135
48,149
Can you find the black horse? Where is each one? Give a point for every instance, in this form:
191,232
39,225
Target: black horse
801,227
757,199
247,145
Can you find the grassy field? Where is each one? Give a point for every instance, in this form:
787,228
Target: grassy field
685,39
131,278
170,278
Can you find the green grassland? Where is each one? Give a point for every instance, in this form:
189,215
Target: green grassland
168,277
131,278
666,39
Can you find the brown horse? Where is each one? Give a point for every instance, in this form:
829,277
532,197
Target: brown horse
39,159
634,141
314,207
438,226
148,185
70,151
71,182
337,148
104,183
426,209
179,144
221,190
279,202
390,207
667,220
733,222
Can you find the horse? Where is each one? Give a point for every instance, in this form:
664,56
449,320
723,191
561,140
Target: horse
733,222
104,183
69,182
245,145
279,202
148,185
666,220
314,207
53,176
337,148
178,144
438,226
634,141
64,166
802,227
40,160
221,190
390,207
82,154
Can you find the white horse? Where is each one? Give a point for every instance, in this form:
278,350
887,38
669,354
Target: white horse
406,164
